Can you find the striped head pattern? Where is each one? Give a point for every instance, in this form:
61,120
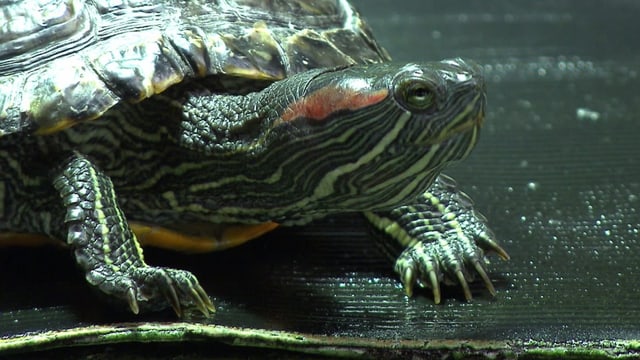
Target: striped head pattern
327,141
375,136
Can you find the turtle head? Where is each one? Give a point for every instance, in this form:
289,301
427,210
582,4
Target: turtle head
376,136
324,141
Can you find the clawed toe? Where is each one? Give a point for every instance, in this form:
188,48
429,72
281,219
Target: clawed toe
424,264
190,289
435,286
501,252
156,287
170,294
485,278
464,284
203,303
408,279
131,300
488,243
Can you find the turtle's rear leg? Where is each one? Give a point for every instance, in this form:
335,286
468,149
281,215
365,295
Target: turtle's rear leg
108,251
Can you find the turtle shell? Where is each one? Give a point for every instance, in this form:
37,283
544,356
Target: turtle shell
67,61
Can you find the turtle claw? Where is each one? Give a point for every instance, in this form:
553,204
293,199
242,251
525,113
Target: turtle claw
171,296
131,300
417,265
501,252
408,279
485,278
435,286
464,284
155,288
487,242
175,305
203,303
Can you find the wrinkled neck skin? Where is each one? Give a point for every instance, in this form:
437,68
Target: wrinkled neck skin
224,125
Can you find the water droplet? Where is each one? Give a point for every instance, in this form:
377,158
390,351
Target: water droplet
587,114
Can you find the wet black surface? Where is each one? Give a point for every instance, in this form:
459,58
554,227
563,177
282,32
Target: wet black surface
556,172
557,168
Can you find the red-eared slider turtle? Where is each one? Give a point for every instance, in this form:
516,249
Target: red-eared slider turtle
240,115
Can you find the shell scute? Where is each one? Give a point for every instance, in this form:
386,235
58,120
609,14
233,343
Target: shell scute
68,61
255,54
140,66
60,99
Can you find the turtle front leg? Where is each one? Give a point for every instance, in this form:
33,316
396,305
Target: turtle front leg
438,238
108,251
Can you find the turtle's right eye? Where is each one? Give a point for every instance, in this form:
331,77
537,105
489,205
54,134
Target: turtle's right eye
415,95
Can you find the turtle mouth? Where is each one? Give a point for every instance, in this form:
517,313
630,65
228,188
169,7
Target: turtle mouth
454,134
469,120
466,131
473,123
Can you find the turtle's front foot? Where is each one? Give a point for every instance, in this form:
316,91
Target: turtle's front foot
439,238
450,258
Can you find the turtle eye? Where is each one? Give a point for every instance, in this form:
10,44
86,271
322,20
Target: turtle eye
416,95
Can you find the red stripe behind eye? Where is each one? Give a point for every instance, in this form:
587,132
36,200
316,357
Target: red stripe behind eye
322,103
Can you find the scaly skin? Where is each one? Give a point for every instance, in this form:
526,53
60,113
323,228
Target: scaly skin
369,139
106,248
437,238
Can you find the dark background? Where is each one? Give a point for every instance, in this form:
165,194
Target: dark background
556,172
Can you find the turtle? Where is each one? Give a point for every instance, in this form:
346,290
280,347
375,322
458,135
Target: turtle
199,125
